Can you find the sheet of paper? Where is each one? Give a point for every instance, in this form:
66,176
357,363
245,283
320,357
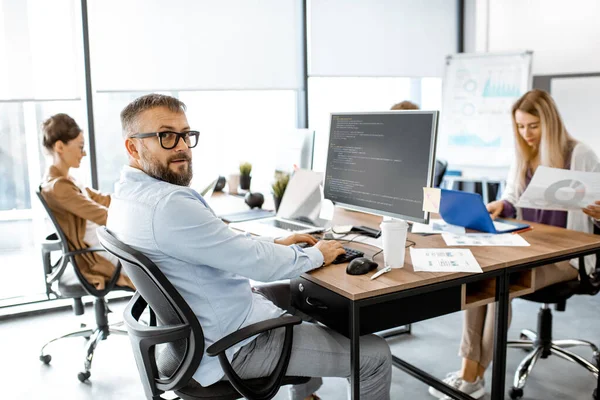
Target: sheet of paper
444,260
437,226
431,199
561,189
485,239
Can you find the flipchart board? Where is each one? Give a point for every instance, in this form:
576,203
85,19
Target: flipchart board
478,93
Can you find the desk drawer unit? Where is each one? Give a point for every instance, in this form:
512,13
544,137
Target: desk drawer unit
333,310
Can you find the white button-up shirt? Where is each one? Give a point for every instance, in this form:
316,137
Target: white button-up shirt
208,263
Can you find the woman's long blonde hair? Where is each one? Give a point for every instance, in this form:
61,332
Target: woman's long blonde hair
555,142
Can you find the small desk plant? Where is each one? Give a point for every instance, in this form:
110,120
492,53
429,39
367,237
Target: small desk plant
281,182
245,170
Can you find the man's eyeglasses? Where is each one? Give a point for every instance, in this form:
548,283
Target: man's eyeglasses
169,140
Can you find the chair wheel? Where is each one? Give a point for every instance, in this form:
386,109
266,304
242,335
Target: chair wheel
515,393
46,358
83,376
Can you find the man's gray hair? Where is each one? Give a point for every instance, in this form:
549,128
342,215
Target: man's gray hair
135,108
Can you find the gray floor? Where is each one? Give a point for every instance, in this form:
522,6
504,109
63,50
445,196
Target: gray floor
432,346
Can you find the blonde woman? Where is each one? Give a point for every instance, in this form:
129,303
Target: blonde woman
541,139
77,209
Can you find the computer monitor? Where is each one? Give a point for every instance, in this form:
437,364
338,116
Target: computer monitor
379,162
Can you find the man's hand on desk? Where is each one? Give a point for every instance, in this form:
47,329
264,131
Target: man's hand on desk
330,249
297,238
593,210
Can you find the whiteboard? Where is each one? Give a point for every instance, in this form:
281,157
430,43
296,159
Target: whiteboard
478,93
578,102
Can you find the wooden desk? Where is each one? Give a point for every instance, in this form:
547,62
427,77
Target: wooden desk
355,305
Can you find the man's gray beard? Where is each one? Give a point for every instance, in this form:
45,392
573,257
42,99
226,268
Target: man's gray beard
156,170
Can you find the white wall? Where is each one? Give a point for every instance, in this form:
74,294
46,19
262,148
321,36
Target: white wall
142,45
564,35
381,38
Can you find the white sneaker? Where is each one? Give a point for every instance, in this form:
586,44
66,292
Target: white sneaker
474,389
452,379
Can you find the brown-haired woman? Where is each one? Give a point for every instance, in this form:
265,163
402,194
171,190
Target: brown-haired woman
540,139
77,209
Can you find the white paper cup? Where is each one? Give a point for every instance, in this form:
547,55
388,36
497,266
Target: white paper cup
233,182
394,241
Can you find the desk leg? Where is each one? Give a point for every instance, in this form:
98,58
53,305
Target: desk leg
355,351
500,337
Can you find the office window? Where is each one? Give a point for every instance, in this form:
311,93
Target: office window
40,42
23,162
239,125
349,94
234,125
111,155
14,180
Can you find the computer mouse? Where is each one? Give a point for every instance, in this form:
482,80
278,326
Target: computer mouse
360,266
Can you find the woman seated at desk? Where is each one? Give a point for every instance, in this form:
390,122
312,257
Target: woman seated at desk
541,139
78,210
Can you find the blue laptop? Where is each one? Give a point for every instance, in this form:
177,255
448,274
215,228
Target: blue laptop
467,209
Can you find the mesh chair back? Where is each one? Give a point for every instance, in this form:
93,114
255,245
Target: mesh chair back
88,287
61,236
168,306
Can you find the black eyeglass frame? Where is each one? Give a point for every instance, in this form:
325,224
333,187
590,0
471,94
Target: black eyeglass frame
160,135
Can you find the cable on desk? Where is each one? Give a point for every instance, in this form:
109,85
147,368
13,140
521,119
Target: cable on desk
380,251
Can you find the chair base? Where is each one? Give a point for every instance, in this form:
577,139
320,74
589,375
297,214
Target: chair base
538,348
93,336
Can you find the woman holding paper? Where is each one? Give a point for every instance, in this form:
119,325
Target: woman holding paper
541,139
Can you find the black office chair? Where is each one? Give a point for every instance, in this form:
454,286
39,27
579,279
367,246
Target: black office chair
540,344
440,171
64,280
175,327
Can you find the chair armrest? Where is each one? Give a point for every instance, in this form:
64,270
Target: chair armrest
236,337
83,251
144,339
164,333
110,284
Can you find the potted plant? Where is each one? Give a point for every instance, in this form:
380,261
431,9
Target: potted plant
279,189
245,170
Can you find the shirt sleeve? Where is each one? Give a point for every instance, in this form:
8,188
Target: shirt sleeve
509,211
184,228
100,198
70,198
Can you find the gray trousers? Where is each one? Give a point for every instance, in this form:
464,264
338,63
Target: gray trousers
317,352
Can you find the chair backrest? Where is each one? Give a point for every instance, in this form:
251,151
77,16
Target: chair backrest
67,256
61,235
440,171
168,306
